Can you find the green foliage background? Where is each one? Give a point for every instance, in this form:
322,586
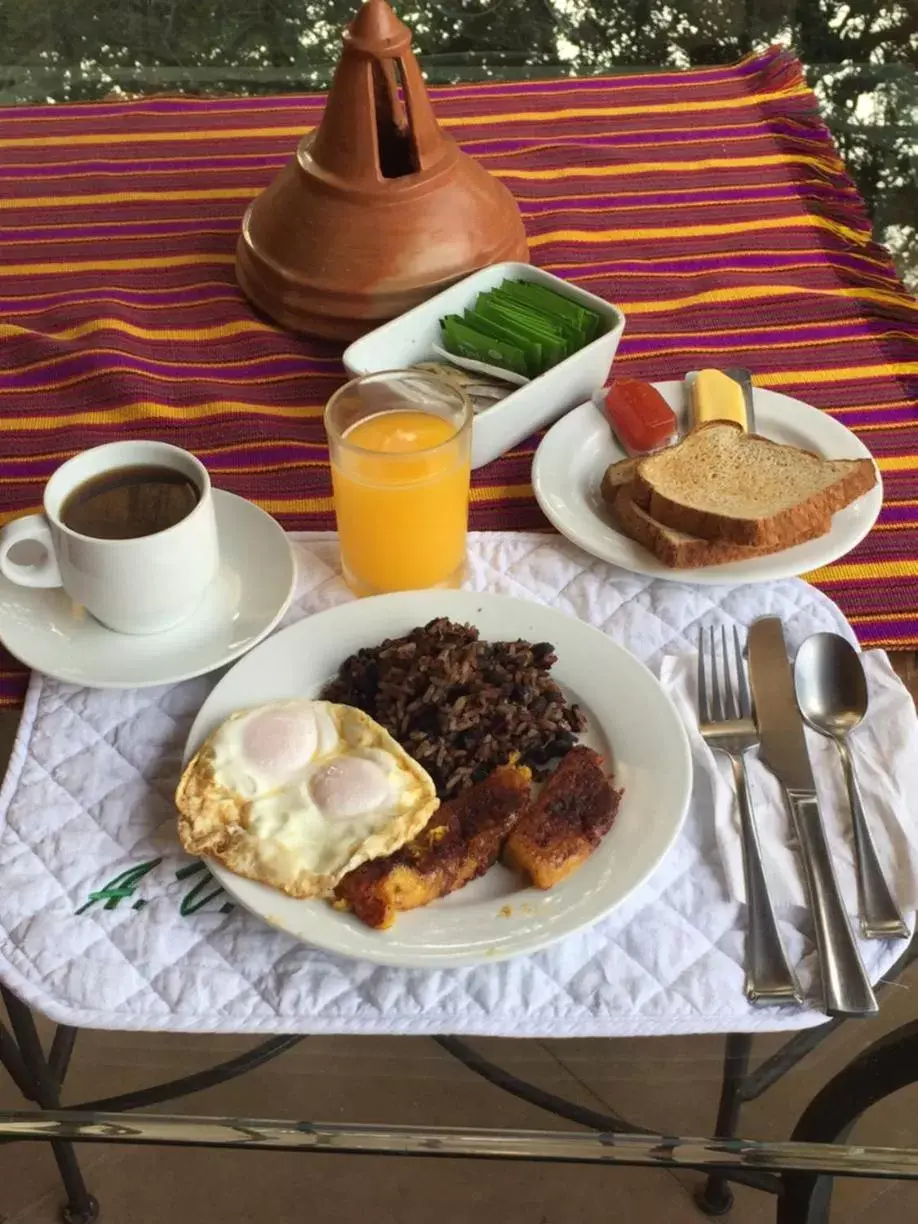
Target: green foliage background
861,55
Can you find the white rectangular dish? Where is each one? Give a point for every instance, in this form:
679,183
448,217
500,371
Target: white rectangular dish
407,339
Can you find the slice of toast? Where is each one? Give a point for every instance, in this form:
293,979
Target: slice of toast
678,549
616,476
720,483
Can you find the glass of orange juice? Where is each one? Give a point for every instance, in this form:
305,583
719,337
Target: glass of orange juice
400,444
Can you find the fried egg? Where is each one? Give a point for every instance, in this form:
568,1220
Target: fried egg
298,793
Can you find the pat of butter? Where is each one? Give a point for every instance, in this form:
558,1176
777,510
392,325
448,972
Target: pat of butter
716,397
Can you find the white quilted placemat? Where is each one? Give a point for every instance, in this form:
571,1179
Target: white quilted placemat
86,807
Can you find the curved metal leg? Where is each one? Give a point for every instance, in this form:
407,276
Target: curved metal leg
882,1069
715,1198
81,1207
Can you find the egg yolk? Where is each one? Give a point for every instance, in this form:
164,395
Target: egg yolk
280,742
349,786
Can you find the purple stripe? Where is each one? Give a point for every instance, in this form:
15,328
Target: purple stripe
698,135
75,365
899,514
260,455
764,337
687,199
136,229
165,106
903,628
879,415
244,161
679,265
186,295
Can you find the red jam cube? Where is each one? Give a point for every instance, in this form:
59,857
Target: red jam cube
639,415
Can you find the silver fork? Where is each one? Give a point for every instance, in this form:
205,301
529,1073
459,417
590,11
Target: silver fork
726,724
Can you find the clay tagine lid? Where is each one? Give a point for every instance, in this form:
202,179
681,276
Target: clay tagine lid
378,209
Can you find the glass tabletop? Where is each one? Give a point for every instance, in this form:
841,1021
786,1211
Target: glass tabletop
860,57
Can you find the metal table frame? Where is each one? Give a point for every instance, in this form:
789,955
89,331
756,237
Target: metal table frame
799,1173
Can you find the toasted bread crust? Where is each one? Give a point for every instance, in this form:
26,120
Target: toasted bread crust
615,477
787,527
688,552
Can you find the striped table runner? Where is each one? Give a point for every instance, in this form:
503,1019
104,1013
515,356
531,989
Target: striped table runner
711,205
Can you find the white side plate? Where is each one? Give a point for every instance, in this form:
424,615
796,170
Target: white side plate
570,462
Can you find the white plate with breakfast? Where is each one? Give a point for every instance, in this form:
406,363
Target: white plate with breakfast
435,779
719,505
48,631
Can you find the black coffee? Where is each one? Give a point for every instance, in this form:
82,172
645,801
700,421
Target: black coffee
129,502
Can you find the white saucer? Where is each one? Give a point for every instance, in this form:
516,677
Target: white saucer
49,633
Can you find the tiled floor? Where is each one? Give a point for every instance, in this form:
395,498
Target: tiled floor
670,1084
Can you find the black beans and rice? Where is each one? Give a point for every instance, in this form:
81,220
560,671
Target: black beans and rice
461,706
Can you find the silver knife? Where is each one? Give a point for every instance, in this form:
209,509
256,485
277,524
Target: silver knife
742,376
782,748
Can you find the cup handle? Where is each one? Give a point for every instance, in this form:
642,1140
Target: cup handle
32,527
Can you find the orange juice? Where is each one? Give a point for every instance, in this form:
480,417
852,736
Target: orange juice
401,485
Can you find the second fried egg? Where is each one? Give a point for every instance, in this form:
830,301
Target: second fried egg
298,793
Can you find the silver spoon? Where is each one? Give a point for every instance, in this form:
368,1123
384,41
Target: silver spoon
832,696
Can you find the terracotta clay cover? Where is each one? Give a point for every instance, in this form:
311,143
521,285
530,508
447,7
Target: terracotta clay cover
378,209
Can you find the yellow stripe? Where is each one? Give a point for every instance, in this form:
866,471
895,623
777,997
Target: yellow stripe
657,108
493,493
45,362
859,570
704,163
878,426
214,367
220,332
141,410
867,618
105,371
618,273
128,197
882,405
898,463
627,234
743,293
846,374
116,301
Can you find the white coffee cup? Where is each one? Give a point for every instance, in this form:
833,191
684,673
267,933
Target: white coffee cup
143,585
